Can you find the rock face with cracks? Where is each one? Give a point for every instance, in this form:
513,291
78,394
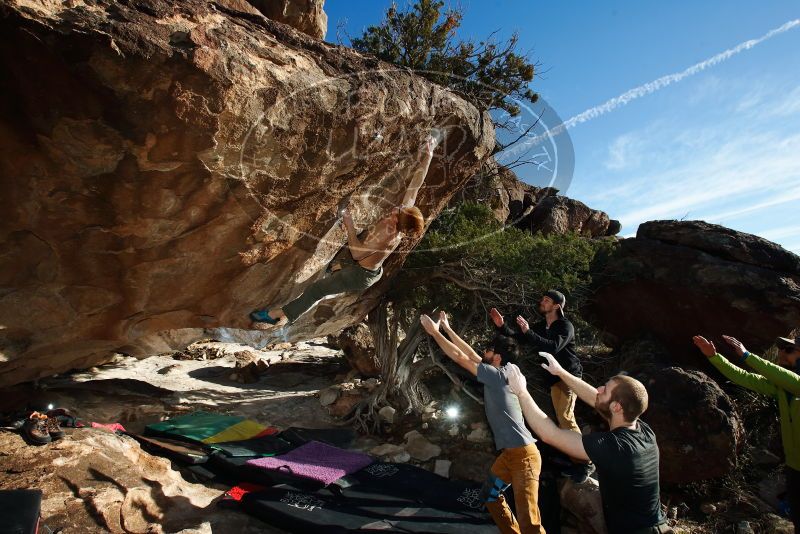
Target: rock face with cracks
174,165
305,15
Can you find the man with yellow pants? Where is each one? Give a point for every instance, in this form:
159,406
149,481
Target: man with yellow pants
519,463
554,335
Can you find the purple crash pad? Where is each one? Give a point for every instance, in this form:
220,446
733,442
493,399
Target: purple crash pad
316,461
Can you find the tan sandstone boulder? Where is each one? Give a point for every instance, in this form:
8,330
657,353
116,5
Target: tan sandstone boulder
174,165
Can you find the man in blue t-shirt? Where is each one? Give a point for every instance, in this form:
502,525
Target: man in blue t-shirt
519,463
626,456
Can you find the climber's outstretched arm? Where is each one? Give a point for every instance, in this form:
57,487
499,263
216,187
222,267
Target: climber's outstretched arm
357,248
419,173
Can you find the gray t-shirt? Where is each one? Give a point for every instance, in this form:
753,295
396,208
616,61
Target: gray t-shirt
502,409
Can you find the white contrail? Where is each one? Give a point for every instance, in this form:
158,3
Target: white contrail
655,85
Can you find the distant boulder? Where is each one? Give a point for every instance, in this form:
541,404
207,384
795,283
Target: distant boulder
699,431
536,209
676,279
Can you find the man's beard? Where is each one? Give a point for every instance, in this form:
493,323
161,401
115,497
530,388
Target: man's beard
603,409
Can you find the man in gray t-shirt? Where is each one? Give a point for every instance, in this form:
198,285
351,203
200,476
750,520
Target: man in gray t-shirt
519,463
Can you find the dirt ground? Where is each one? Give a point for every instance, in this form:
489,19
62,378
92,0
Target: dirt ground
97,481
94,480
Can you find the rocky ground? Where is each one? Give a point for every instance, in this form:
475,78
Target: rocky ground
97,481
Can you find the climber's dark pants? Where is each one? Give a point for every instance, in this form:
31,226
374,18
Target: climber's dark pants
351,277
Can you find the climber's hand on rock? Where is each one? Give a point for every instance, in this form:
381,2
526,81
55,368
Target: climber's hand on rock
427,148
738,346
347,219
706,347
496,317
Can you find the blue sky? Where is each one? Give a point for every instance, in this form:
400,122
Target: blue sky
722,145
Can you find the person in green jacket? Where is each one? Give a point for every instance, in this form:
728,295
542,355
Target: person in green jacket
781,382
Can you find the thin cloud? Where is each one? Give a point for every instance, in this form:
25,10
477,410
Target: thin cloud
652,87
737,171
781,233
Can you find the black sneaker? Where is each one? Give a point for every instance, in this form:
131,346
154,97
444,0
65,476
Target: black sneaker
54,429
34,430
579,473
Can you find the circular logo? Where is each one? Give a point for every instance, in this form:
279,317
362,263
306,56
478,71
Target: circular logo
361,127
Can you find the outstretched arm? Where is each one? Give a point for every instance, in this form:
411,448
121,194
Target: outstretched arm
587,393
561,331
734,373
462,345
777,375
357,248
449,348
567,441
419,173
503,328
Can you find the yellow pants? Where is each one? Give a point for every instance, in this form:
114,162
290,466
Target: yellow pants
519,467
564,403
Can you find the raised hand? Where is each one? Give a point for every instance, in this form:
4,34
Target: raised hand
552,366
738,346
496,317
443,320
706,347
426,149
428,324
516,380
347,219
523,324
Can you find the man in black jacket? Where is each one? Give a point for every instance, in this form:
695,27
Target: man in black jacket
554,335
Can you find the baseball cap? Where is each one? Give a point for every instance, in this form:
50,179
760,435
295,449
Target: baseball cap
558,298
789,343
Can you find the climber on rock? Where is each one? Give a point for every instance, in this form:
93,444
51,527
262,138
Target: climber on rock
364,266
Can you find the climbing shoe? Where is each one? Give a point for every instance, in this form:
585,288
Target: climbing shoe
54,429
262,316
35,431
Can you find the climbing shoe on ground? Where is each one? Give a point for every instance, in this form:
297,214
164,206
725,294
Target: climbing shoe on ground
35,431
262,316
54,429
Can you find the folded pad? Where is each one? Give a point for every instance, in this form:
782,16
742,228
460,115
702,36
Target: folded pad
315,461
180,451
358,511
206,427
418,484
19,511
254,448
338,437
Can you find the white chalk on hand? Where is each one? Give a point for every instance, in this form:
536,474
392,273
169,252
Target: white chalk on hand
437,134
